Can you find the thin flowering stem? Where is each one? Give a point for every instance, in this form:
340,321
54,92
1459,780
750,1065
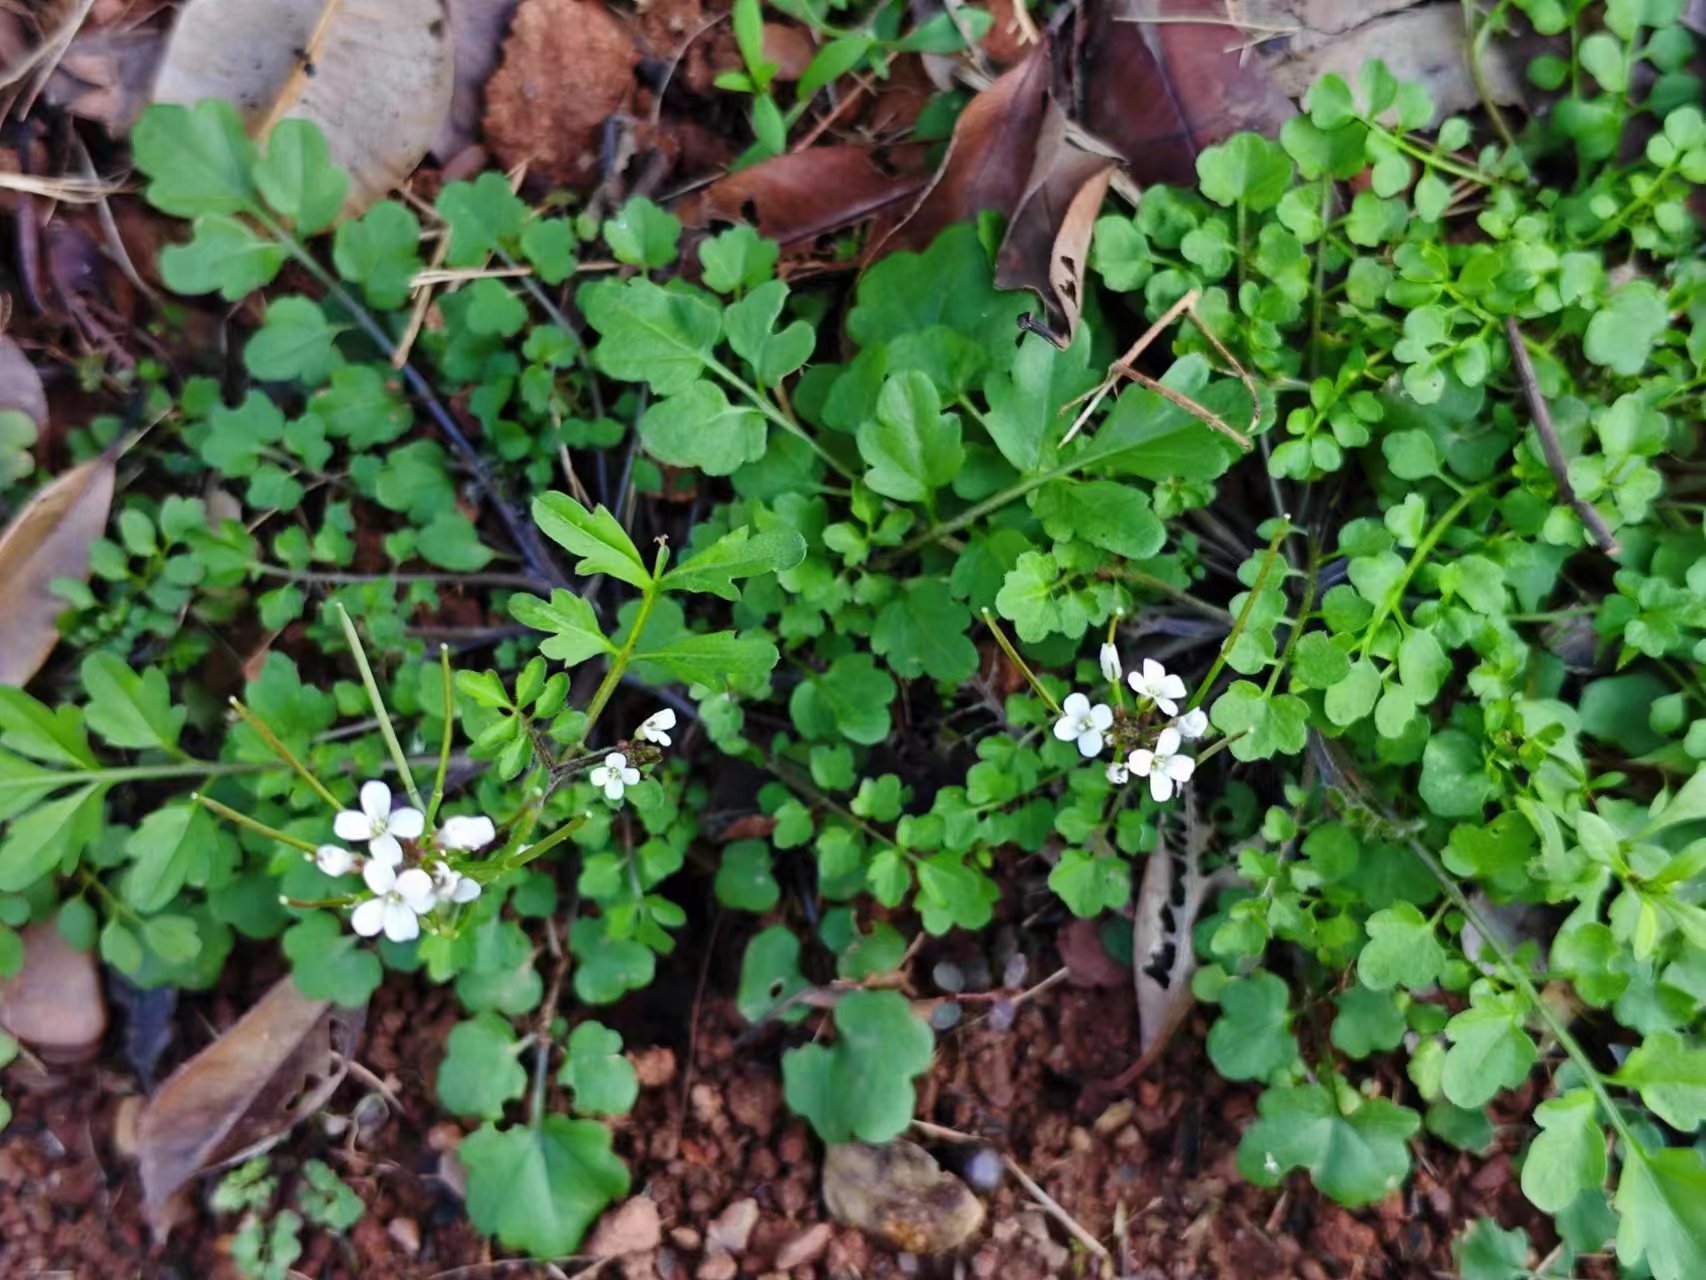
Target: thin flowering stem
1013,657
444,743
1243,615
625,655
386,729
244,820
283,752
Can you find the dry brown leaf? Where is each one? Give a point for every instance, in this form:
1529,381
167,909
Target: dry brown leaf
278,1064
20,384
806,194
567,65
1163,959
381,82
107,75
53,1004
990,158
476,36
49,538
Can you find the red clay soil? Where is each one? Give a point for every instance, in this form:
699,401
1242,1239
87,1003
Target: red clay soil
1159,1157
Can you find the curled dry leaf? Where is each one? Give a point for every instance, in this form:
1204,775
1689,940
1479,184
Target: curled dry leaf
806,194
277,1065
53,1004
48,539
380,85
567,65
1163,959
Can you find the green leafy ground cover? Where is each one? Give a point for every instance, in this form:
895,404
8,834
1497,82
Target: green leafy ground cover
1420,691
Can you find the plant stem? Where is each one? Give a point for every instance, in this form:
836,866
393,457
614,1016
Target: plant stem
386,729
444,744
1013,657
517,580
1267,568
625,655
244,820
1395,593
284,753
1150,582
763,404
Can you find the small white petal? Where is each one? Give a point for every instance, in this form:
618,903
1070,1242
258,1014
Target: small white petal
400,922
386,849
599,776
334,860
1180,768
376,800
630,777
1090,743
1172,687
1160,786
616,761
381,877
467,833
406,824
655,727
1193,724
1101,716
613,788
414,887
352,826
1118,774
1167,742
1141,761
1076,704
1109,658
1167,705
466,890
1153,673
1066,728
369,917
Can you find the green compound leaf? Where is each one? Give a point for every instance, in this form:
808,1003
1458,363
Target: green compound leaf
1266,725
603,544
751,328
485,217
198,159
1568,1156
860,1088
745,880
1356,1158
130,710
922,631
599,1079
1367,1022
715,659
574,635
539,1187
297,177
1246,169
699,427
170,847
643,235
295,343
1622,333
1251,1039
609,967
1671,1076
1662,1197
739,553
1401,950
481,1072
1490,1049
649,333
1090,883
1486,1251
329,962
912,449
770,974
380,251
224,255
737,259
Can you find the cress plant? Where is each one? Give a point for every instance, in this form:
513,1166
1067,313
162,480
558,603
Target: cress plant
958,603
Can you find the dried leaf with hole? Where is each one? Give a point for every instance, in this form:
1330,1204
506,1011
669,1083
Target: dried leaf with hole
567,65
275,1067
53,1004
48,539
378,80
1163,957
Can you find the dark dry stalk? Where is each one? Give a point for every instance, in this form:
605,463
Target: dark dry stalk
1598,530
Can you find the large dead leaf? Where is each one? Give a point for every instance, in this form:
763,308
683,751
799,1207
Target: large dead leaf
53,1004
20,384
277,1065
567,65
990,158
378,78
1160,91
806,194
48,539
476,36
1163,958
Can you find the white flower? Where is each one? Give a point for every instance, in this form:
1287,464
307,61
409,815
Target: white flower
1110,660
1118,774
614,776
452,886
1154,683
1164,766
656,727
1083,723
1193,724
466,834
396,902
377,826
334,860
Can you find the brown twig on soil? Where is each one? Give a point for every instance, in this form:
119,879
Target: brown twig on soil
1550,445
1049,1204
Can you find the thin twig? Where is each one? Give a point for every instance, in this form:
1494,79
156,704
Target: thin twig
1203,414
1132,352
1550,445
296,84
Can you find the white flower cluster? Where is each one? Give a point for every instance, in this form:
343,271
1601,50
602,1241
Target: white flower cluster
616,775
399,896
1087,724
